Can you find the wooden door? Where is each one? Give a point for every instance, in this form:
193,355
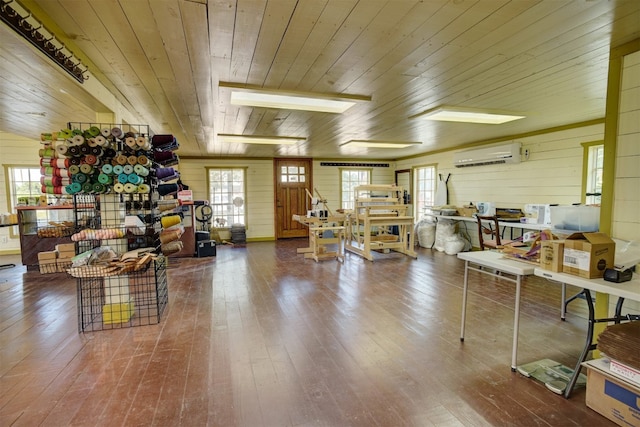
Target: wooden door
291,177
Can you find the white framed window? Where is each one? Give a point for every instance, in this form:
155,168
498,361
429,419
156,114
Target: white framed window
425,188
227,196
24,185
349,180
593,184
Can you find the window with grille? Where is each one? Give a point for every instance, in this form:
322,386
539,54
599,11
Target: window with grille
350,179
227,196
24,185
595,160
425,188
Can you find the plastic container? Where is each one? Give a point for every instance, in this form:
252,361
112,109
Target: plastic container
575,218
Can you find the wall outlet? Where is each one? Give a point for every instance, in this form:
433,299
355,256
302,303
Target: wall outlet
4,240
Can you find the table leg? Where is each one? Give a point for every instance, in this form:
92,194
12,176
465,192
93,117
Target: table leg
563,313
464,299
587,347
516,325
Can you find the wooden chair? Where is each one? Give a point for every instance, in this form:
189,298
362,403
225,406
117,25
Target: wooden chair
489,234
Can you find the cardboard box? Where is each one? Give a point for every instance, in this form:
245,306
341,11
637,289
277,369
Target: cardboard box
66,247
551,255
48,255
48,266
66,254
613,398
468,211
588,254
625,371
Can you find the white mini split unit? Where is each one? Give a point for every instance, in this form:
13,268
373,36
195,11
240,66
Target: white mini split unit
491,155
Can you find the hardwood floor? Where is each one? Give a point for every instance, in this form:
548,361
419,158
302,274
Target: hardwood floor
259,336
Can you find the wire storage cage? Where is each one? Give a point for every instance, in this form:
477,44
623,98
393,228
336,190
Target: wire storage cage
113,297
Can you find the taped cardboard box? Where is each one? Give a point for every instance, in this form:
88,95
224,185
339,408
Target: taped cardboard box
610,396
588,254
551,255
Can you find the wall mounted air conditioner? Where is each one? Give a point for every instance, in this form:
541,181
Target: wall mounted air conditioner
490,155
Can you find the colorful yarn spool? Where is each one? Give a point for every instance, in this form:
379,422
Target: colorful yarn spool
170,220
141,170
121,159
86,168
116,132
118,187
87,187
104,179
74,188
143,142
130,142
118,169
101,140
130,188
90,159
134,179
123,178
132,160
74,169
127,169
62,149
107,169
80,178
144,188
166,189
91,142
94,131
144,160
105,132
77,139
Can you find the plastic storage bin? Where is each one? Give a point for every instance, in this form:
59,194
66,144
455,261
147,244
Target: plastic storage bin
575,218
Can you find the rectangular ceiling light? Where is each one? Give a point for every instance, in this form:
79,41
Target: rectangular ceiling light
289,100
467,115
380,144
254,139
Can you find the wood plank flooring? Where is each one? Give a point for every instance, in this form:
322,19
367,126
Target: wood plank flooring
260,336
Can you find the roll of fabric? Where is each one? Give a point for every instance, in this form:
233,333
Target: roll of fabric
166,189
94,131
167,236
75,161
92,142
104,179
118,169
162,173
160,140
165,158
60,163
121,159
130,142
86,168
87,187
171,248
141,170
77,139
74,187
80,178
116,132
54,181
134,179
85,149
167,205
101,141
107,169
90,159
143,142
62,149
128,169
96,151
130,188
74,169
132,160
123,178
74,150
170,220
144,188
99,188
46,152
144,161
106,132
118,187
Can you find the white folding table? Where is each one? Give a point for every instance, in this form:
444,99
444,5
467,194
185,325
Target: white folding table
496,264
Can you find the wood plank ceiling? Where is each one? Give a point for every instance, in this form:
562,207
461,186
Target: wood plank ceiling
159,62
